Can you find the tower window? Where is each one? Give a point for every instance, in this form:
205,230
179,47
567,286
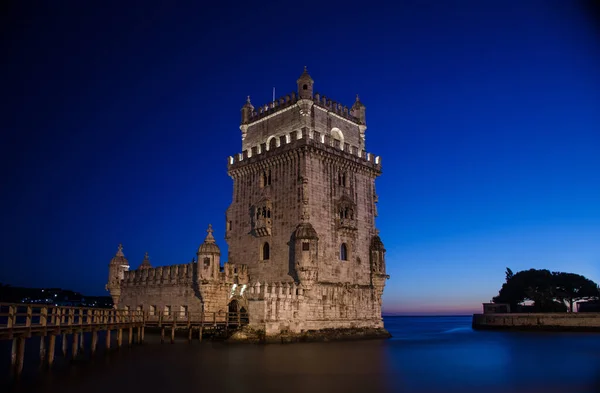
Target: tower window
305,246
266,178
265,252
342,179
206,262
304,87
343,252
229,225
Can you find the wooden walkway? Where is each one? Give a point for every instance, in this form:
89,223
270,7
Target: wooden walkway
19,322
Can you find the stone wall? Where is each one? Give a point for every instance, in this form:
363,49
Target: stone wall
326,197
278,307
282,195
538,321
173,295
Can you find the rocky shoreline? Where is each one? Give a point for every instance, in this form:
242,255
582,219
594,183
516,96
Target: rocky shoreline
252,336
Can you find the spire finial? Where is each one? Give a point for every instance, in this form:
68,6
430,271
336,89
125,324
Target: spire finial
146,262
209,237
305,69
357,99
248,99
120,251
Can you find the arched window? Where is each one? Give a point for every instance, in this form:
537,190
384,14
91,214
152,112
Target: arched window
304,87
265,252
343,252
206,262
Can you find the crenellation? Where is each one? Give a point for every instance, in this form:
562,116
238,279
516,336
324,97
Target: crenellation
304,134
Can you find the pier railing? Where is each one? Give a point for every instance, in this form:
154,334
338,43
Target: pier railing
19,322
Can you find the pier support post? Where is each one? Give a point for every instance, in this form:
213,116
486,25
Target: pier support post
64,345
108,339
13,354
42,350
17,355
130,335
190,335
81,342
162,334
142,334
75,347
51,344
119,338
94,341
173,334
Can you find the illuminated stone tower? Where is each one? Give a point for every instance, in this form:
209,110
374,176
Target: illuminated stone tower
302,216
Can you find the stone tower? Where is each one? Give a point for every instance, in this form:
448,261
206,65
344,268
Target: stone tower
303,210
116,270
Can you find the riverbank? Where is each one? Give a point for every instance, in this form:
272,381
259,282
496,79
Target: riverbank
564,322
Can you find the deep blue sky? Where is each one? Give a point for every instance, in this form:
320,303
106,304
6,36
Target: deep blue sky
117,122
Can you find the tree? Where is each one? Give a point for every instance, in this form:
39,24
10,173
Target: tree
509,274
572,287
550,292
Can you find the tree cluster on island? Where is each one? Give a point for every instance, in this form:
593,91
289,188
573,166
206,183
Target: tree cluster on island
549,291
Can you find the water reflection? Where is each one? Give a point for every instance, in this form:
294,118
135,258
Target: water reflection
426,355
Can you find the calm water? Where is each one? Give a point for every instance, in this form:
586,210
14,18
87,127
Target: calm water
427,354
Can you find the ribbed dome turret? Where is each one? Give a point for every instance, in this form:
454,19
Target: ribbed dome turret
305,77
119,258
305,85
209,245
357,103
305,230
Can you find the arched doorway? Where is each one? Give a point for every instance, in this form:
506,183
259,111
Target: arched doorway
237,312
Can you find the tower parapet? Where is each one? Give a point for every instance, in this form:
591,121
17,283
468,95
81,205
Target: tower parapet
305,137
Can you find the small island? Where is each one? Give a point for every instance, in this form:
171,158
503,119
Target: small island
537,299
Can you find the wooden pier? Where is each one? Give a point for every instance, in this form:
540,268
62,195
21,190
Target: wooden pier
19,322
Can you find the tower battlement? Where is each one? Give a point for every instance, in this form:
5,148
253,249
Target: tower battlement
323,102
306,137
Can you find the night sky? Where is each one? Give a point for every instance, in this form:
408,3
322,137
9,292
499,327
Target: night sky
117,122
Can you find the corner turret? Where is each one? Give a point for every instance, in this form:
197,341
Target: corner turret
209,257
306,243
358,111
116,271
247,110
305,85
